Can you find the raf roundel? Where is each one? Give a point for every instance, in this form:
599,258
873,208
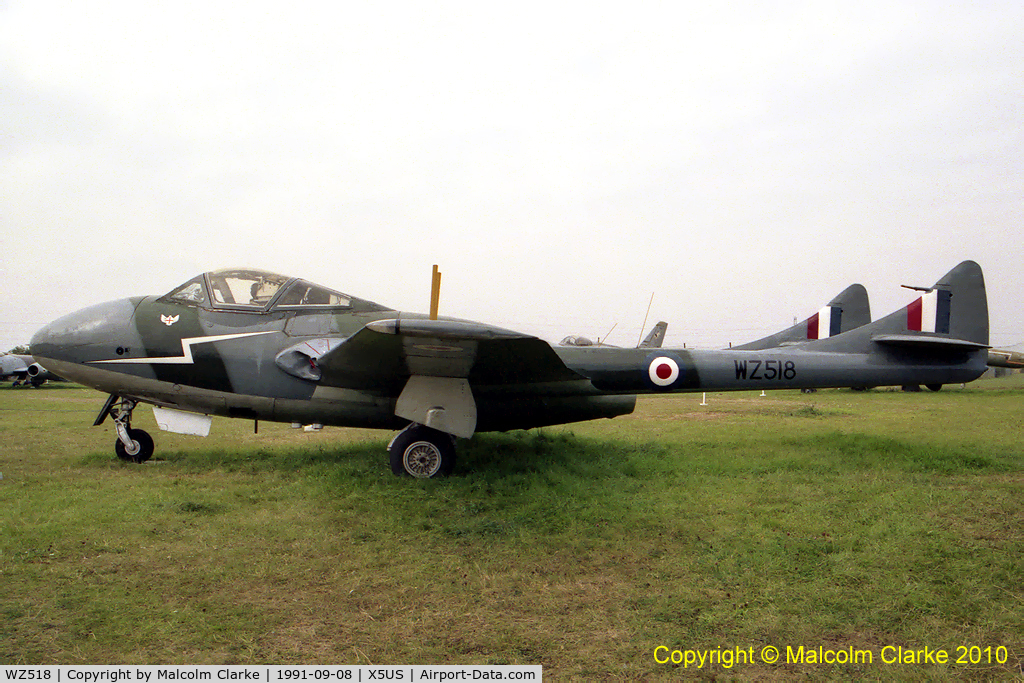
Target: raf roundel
663,371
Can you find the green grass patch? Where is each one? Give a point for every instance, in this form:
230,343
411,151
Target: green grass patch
838,519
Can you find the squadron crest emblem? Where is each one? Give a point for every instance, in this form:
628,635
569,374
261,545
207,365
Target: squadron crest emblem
169,319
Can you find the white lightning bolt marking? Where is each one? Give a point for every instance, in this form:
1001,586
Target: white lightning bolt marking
186,349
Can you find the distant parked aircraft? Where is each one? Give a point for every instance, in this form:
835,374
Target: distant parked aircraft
24,370
1012,357
653,339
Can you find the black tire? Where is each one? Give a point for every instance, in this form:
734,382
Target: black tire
422,452
934,387
145,443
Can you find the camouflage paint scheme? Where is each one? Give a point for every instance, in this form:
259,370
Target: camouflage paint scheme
348,363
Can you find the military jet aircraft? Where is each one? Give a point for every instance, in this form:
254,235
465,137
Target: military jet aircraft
261,346
23,370
1011,357
653,340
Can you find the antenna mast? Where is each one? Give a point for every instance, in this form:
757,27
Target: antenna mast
644,326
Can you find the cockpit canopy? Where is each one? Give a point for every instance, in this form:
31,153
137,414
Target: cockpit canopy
247,289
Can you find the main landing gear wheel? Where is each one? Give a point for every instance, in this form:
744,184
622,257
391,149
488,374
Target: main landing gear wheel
422,452
141,449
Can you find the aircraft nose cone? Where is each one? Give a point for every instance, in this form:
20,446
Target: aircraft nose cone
84,335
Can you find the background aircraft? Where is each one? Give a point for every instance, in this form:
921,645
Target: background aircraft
653,340
23,370
257,345
1011,357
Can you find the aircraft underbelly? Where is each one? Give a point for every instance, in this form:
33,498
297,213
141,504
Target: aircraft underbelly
351,411
497,414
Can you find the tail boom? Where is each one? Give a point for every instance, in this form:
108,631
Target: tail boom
940,338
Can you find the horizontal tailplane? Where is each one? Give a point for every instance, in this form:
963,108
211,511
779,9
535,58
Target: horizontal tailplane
950,316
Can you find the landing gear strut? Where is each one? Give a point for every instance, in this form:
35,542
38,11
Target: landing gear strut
132,445
422,452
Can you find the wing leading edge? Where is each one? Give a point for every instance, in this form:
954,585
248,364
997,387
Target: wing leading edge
385,353
434,364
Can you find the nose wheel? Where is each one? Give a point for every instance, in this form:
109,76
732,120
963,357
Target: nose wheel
132,445
422,452
140,448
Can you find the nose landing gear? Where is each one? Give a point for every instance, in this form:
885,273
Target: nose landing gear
132,445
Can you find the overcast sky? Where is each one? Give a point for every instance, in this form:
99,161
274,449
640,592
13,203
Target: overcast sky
561,162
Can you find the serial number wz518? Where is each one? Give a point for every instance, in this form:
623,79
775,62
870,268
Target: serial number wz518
765,369
28,675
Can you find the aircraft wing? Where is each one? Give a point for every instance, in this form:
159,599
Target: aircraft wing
385,353
15,366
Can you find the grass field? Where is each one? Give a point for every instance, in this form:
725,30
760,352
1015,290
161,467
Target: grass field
836,520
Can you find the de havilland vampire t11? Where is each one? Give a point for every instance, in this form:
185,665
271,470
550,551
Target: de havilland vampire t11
261,346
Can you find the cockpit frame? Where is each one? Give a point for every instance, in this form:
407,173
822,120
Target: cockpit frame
255,291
